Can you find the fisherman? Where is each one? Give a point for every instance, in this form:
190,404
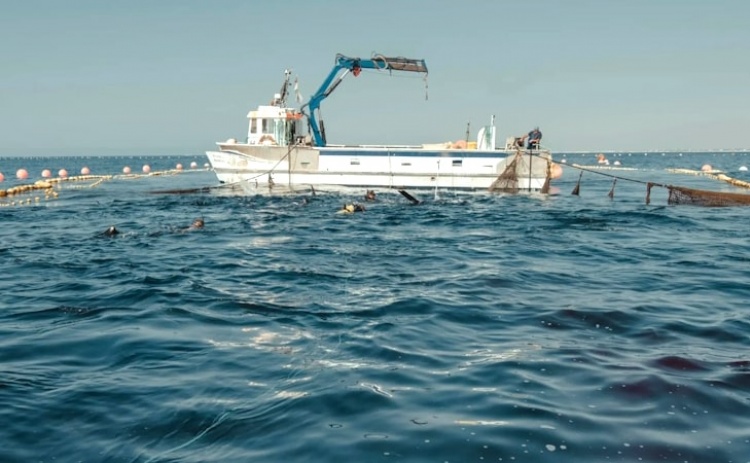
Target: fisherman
533,138
197,224
370,195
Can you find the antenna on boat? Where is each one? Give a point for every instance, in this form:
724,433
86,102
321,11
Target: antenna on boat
492,129
281,100
468,126
297,94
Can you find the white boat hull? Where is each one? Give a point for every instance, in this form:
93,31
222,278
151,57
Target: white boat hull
264,167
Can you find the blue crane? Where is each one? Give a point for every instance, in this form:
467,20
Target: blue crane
343,66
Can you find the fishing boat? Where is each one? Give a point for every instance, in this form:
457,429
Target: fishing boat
277,154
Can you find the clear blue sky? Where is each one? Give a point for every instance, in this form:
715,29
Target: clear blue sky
175,76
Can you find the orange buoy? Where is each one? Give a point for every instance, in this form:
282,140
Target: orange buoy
179,166
126,170
85,170
707,168
2,177
146,168
555,170
46,173
22,174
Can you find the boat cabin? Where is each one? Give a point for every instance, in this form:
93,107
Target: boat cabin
273,126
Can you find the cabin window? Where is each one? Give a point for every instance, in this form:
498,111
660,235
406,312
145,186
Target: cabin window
406,163
253,125
354,162
267,126
457,162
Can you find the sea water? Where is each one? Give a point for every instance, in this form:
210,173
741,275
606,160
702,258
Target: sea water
469,328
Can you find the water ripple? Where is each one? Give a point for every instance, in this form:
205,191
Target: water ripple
472,327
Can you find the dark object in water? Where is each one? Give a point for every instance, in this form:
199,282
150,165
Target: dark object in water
611,193
111,231
577,190
204,189
408,196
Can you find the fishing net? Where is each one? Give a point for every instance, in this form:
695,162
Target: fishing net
682,195
521,173
507,181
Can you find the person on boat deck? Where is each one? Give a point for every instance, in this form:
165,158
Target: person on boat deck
533,138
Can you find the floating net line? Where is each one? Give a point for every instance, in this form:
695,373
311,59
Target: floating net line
29,193
693,197
682,195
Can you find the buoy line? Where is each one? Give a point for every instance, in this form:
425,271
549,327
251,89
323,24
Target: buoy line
598,167
699,173
11,195
714,174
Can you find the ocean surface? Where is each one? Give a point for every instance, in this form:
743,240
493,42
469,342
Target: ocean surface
469,328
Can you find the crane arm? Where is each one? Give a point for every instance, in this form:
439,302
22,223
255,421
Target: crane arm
344,65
